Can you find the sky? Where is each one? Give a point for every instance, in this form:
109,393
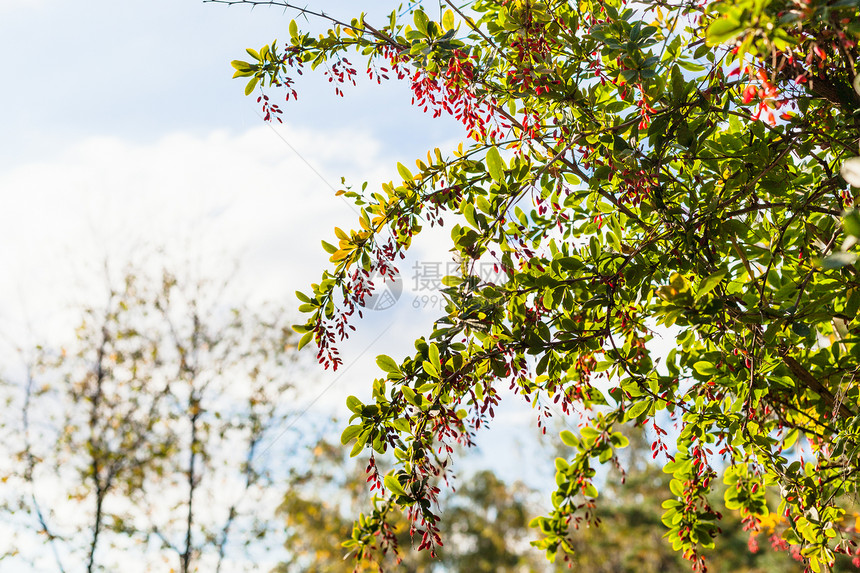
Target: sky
122,129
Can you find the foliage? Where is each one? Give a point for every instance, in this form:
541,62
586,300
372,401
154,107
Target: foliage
141,435
485,524
632,170
630,528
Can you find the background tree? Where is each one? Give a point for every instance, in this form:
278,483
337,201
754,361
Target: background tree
141,439
630,167
485,524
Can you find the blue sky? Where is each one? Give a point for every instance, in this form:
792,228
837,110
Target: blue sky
147,69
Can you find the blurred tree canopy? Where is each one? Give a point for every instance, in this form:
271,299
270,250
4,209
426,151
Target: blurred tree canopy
135,442
485,523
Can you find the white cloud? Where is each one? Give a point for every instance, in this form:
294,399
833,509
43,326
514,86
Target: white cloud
222,193
210,199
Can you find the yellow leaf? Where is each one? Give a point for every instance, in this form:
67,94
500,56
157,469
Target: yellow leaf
339,255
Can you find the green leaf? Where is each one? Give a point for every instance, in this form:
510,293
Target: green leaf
705,368
495,164
589,434
569,439
710,282
392,484
242,66
243,69
251,85
448,20
404,172
852,305
638,409
801,329
690,66
387,364
354,404
349,433
294,29
790,439
431,369
303,341
851,220
619,440
411,396
723,30
433,353
421,20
